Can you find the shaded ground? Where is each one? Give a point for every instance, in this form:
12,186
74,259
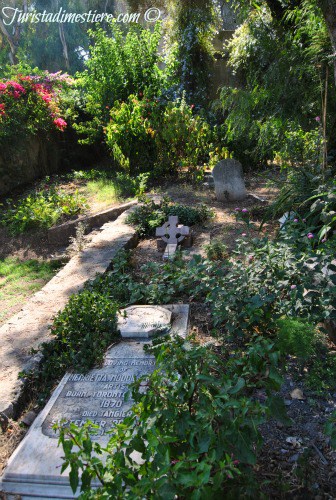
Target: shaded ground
298,459
295,461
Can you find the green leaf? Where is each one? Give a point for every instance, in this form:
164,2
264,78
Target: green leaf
238,387
73,477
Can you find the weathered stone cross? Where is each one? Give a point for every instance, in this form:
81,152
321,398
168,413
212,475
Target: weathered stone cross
172,233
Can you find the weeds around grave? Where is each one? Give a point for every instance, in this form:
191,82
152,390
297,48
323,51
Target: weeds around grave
150,215
196,427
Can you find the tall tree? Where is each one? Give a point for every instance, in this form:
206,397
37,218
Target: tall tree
194,24
328,8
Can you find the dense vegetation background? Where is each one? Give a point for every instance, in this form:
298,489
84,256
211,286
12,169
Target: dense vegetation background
142,97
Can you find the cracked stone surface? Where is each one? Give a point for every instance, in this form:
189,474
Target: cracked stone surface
30,327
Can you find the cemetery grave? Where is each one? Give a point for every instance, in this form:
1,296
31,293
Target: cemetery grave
97,396
80,397
172,233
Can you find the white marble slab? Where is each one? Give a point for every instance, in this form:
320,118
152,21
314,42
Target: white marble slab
33,470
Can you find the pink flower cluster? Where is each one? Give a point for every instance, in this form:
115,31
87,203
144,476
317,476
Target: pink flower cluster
45,86
60,123
12,88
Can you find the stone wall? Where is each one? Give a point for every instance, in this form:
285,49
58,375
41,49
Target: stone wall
34,157
29,159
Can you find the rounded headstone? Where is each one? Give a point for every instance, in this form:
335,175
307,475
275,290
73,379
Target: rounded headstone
143,321
229,180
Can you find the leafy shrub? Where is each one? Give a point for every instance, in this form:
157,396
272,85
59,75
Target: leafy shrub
81,333
42,209
321,369
183,138
150,215
296,337
195,427
119,65
265,281
130,133
315,207
216,250
145,133
275,110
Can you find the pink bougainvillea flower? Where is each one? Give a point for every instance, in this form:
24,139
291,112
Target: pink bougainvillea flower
2,110
16,86
46,97
60,123
310,235
3,86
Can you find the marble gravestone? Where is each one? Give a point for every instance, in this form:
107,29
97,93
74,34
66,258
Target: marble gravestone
172,234
33,470
229,180
143,321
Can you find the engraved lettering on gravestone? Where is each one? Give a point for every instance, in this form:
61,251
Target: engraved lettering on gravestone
99,396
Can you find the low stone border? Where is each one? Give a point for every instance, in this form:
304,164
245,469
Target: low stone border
30,327
61,234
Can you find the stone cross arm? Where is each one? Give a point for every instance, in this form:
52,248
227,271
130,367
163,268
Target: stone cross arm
171,232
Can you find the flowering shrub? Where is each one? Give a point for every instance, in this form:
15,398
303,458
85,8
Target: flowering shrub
146,133
31,104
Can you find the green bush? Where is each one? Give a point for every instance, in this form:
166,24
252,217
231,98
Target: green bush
216,250
119,65
296,337
161,136
150,215
42,209
81,334
272,112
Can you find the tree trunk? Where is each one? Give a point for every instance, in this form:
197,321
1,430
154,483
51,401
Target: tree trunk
328,8
64,45
11,43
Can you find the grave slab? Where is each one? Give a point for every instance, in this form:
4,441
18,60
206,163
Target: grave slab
143,321
33,470
229,180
